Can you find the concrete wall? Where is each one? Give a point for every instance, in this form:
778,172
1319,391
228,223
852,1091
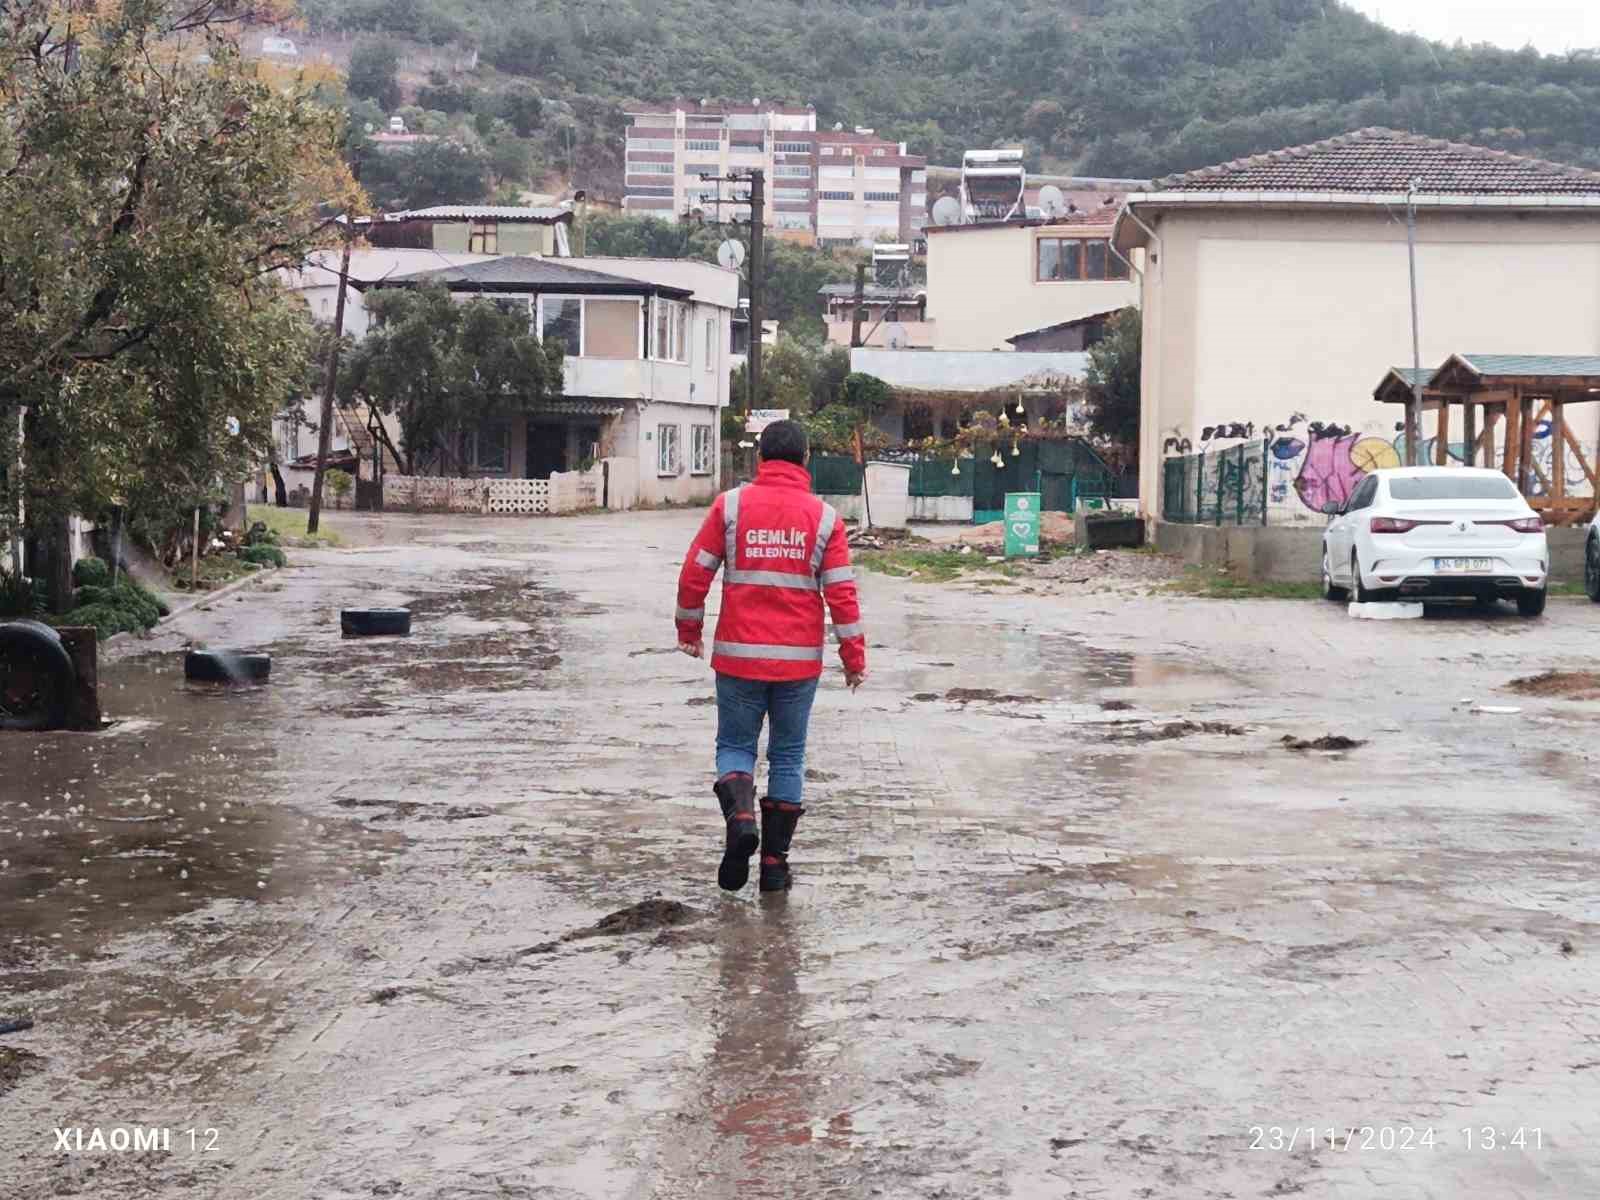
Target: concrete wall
1267,321
982,290
1281,554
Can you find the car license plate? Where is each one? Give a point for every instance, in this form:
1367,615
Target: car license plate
1462,566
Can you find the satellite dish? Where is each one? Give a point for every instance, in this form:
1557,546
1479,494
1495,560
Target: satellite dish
946,211
731,254
894,336
1052,201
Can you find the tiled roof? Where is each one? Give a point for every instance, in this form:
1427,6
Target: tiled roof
1384,161
1059,326
512,272
1531,364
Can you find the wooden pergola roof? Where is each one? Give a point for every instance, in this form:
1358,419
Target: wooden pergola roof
1522,390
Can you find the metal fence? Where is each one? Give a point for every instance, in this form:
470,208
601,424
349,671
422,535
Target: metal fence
1217,487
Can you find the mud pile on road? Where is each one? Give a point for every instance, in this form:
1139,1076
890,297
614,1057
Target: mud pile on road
1566,685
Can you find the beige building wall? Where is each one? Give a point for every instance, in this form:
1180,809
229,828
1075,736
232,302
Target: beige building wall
1255,318
982,290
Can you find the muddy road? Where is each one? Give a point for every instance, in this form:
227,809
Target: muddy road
437,918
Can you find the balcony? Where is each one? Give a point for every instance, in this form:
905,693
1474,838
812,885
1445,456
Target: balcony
634,379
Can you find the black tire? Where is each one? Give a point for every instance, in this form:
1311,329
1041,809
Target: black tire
1530,601
36,677
226,666
1331,590
1591,568
375,622
1362,594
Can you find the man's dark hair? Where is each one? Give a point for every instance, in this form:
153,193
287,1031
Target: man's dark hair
784,441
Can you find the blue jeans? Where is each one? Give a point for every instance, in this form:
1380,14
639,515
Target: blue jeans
742,705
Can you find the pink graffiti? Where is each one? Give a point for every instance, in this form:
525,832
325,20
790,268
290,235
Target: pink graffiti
1328,472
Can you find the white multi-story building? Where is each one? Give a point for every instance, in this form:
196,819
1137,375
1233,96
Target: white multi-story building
838,186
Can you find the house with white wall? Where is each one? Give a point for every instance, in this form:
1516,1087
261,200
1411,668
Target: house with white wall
1276,290
646,368
991,281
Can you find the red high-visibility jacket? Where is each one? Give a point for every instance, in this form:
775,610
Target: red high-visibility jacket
783,552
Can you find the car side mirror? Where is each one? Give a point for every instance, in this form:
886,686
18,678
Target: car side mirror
1332,508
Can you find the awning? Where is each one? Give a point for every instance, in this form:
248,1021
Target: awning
578,408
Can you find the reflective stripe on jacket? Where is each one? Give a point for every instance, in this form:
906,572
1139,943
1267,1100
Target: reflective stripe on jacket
783,553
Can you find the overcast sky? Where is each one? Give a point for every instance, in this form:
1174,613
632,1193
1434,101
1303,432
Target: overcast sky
1553,26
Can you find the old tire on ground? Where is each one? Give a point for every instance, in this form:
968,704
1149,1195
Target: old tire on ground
36,676
1530,601
226,666
375,622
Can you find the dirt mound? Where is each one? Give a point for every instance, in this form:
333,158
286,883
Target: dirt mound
636,918
1570,685
962,695
1173,730
1328,741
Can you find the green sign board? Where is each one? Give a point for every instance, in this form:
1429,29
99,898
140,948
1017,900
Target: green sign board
1022,524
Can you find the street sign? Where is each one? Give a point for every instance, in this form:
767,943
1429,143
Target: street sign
1022,524
760,418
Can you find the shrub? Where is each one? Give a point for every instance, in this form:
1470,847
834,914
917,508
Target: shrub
91,572
340,483
126,608
262,553
20,596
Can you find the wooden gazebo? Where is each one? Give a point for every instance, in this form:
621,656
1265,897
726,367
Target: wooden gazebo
1519,391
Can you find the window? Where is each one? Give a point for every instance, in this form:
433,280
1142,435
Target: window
483,237
701,144
561,321
487,448
651,168
289,437
637,190
701,169
667,459
788,193
793,147
879,153
836,195
795,172
1077,258
1450,487
672,331
650,144
1365,491
792,220
711,345
895,196
826,150
700,449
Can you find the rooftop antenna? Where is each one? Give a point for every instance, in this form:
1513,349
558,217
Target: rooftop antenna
947,211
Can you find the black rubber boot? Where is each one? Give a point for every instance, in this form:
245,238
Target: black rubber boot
737,795
778,819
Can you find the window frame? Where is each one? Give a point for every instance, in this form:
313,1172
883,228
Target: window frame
582,317
669,466
1114,270
711,345
676,334
472,448
697,466
483,237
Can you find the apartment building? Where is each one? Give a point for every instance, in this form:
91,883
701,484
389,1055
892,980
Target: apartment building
837,187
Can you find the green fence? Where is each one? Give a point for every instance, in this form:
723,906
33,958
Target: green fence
1218,487
835,475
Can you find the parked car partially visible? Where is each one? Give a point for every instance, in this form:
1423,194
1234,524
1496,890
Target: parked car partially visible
1418,532
1591,560
281,46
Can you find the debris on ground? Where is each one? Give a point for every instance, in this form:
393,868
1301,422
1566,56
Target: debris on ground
384,994
1569,685
1328,741
20,1025
636,918
1114,706
14,1064
700,701
1567,946
877,537
1497,710
962,695
1173,730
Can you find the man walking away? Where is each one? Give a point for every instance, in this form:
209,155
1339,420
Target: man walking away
783,552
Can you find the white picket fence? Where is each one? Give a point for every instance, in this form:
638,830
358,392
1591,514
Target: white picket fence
563,492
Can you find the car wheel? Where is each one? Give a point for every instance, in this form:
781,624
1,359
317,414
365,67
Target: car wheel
1530,601
1591,569
375,622
36,677
226,666
1330,590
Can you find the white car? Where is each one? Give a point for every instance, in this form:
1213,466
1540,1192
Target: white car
1436,531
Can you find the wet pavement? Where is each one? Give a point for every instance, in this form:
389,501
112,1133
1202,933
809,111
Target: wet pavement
1071,919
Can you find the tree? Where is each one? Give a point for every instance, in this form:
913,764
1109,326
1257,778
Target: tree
149,342
375,72
444,367
1113,378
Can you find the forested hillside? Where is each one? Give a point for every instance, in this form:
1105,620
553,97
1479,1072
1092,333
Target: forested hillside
1107,87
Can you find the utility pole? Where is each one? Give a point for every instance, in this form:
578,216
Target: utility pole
325,433
1414,416
855,312
757,277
